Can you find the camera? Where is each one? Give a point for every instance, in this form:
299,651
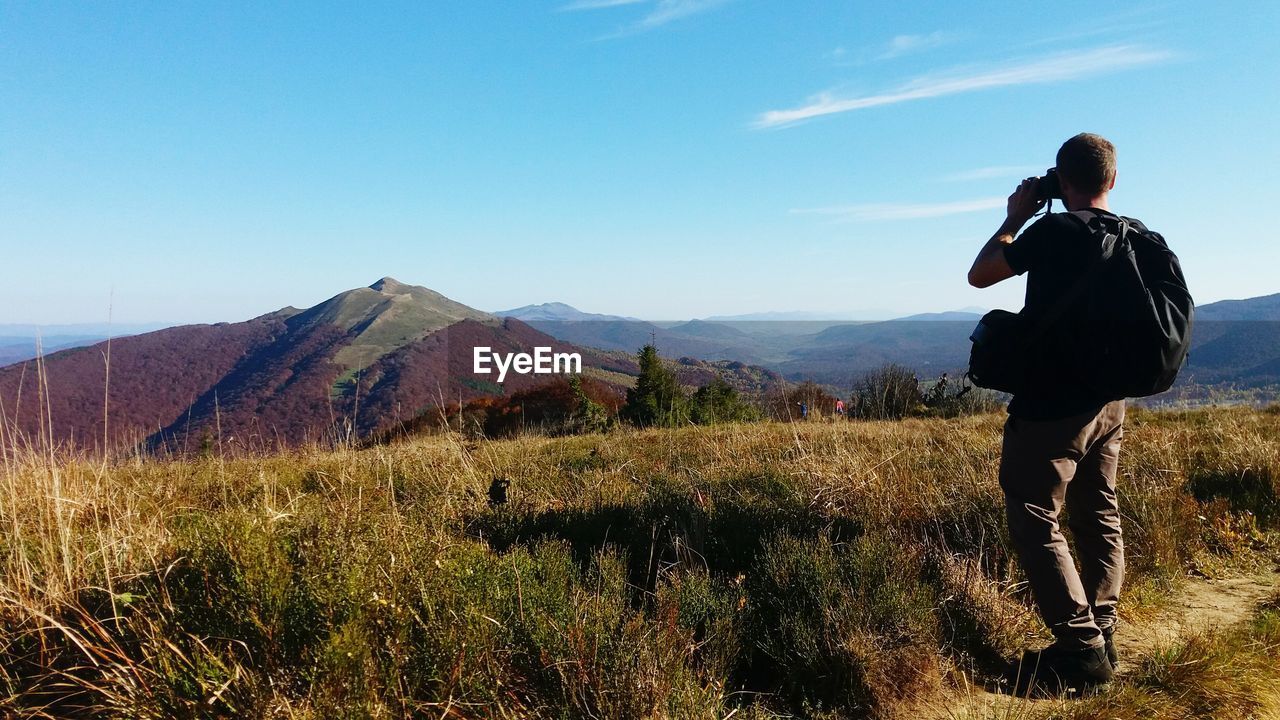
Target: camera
1049,187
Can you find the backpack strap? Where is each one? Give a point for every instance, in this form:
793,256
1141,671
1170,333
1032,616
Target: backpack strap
1098,227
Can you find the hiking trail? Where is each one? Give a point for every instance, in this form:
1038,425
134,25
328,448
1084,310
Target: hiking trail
1200,604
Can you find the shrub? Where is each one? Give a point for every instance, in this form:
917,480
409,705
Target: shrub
718,402
844,626
784,403
891,392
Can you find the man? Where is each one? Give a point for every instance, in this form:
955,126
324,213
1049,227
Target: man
1061,443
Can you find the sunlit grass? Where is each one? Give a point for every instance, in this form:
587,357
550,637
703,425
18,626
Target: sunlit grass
838,569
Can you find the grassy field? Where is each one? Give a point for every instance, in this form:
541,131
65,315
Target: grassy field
813,570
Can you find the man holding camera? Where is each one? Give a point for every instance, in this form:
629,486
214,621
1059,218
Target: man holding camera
1061,440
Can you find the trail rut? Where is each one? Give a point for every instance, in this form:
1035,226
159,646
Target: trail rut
1200,604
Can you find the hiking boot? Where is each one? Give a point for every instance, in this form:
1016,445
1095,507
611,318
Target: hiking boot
1113,657
1057,670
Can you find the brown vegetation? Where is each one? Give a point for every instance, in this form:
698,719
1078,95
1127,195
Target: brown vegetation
826,570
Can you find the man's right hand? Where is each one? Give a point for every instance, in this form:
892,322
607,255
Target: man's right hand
990,267
1024,203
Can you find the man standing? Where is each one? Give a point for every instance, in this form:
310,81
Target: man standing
1061,441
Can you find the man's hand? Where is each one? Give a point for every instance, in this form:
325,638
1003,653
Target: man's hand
1023,204
990,267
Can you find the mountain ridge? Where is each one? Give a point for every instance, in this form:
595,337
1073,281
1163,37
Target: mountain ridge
364,360
557,312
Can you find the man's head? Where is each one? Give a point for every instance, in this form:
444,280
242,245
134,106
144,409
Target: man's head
1087,169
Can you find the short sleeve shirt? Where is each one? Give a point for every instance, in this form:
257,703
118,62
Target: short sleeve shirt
1054,252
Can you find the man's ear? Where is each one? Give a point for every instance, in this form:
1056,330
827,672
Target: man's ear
1112,186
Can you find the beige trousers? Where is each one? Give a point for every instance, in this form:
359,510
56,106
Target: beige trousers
1046,466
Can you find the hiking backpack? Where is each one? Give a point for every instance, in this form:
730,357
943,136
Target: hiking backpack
1130,330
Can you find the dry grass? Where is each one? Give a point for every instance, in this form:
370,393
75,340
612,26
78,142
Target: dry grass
1219,673
826,570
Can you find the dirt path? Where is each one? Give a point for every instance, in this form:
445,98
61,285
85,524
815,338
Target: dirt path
1201,604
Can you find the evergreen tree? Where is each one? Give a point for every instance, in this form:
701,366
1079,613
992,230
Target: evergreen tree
589,416
718,401
656,399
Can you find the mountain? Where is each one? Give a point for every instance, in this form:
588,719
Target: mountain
803,315
969,316
1235,342
384,317
555,312
708,330
1266,307
361,362
840,354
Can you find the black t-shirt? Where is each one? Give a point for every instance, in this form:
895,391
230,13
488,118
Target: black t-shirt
1057,249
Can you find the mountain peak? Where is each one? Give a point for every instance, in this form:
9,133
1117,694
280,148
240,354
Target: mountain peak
554,312
385,316
390,286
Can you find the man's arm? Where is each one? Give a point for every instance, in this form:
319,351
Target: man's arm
990,267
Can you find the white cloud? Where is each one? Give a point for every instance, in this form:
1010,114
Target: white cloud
596,4
904,211
993,172
1057,68
903,44
660,12
668,10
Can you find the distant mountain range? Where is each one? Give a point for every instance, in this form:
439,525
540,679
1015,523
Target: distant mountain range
1235,341
20,342
1265,308
555,311
370,358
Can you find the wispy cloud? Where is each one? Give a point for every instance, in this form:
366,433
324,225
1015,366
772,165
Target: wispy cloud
992,172
668,10
596,4
1057,68
903,211
661,12
904,44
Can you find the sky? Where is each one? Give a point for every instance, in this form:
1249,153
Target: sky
664,159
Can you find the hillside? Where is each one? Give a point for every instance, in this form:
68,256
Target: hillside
155,378
360,362
1235,343
1265,308
765,571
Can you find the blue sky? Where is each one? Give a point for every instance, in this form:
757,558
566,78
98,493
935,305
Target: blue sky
656,158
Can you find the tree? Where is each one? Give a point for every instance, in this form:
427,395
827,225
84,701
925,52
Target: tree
718,401
656,399
588,415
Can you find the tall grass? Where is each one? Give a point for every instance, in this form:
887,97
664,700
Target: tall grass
837,570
